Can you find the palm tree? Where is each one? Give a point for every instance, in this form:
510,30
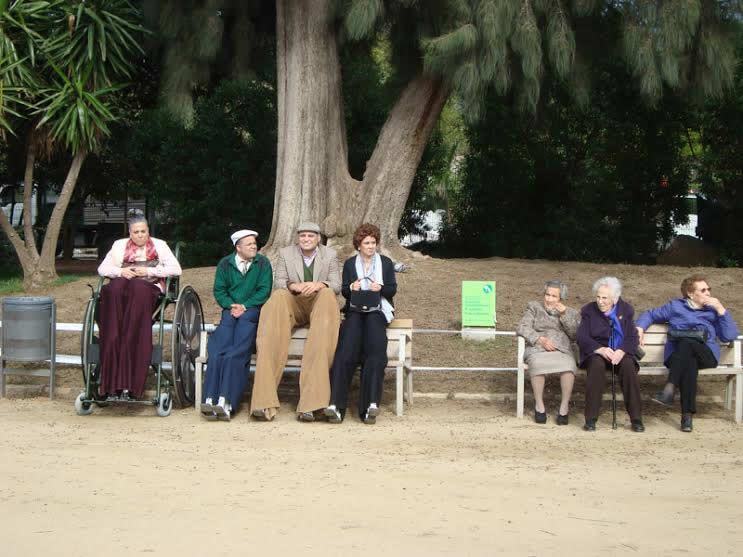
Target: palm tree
62,62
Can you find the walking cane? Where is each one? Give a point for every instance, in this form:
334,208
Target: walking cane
613,383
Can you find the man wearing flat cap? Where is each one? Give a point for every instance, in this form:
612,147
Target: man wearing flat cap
305,285
242,284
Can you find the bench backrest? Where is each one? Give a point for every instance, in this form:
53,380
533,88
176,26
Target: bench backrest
655,341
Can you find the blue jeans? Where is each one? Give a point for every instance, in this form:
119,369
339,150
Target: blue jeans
230,347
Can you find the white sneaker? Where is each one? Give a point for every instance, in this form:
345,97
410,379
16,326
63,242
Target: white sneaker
222,410
333,415
372,412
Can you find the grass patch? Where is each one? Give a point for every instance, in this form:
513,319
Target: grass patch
14,285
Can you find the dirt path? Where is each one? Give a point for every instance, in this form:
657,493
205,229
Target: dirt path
447,479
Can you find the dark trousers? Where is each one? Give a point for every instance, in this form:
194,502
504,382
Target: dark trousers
684,364
125,323
230,347
362,336
596,368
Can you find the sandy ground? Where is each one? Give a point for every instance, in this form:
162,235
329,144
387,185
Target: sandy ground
449,478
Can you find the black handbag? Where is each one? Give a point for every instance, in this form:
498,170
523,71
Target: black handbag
699,335
365,301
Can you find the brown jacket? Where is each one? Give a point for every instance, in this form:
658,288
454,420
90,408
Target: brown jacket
290,268
538,322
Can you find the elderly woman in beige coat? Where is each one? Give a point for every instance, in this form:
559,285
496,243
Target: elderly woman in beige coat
549,328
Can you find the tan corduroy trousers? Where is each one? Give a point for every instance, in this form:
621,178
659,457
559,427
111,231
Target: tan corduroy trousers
283,312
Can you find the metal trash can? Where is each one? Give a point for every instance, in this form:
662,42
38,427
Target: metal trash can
28,335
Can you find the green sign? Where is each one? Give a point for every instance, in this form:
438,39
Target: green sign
478,303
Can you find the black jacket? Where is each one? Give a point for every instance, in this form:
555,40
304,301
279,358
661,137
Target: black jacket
594,330
389,288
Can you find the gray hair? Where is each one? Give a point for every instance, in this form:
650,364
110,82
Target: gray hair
135,217
559,285
612,283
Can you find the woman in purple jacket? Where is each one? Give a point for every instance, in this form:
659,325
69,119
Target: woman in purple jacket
607,339
695,311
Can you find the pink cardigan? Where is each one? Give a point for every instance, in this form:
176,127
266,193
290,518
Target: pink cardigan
167,266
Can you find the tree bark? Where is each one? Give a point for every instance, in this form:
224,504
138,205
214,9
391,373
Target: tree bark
391,169
312,156
16,241
28,189
312,179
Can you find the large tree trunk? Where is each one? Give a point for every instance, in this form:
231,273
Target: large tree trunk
311,166
391,169
312,180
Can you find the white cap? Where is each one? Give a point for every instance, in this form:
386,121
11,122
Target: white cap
240,234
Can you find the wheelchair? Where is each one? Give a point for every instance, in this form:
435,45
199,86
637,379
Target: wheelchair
174,383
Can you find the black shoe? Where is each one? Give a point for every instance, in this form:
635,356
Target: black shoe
590,425
638,426
686,425
305,416
540,417
562,420
662,398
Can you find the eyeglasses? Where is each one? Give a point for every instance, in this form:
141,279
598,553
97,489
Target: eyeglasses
703,290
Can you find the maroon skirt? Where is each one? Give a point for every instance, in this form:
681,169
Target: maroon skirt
125,324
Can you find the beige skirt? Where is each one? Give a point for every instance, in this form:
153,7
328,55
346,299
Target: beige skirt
542,363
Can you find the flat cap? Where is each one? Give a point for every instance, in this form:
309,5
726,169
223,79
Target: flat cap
308,226
240,234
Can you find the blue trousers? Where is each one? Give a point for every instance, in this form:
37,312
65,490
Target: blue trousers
230,347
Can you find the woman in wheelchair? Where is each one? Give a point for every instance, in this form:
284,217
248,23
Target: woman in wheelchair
137,268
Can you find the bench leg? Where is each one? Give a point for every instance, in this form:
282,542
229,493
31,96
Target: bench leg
198,370
520,378
398,390
738,398
409,385
729,392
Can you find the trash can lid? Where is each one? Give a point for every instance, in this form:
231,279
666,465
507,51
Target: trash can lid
28,301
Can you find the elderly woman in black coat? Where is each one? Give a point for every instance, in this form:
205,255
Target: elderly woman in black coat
608,341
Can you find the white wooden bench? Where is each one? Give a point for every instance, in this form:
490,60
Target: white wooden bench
399,356
730,365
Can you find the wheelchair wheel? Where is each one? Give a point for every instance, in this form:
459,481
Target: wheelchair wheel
164,405
82,407
89,346
188,322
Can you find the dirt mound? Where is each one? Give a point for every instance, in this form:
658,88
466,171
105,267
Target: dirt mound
689,251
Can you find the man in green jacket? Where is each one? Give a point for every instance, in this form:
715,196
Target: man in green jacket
242,284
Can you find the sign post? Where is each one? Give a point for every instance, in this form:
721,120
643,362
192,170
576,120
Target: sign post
478,309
